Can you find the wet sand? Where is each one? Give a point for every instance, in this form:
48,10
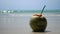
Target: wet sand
11,24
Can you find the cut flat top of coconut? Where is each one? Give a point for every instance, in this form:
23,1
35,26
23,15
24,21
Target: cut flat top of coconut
37,15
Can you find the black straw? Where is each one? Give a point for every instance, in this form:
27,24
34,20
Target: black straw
43,9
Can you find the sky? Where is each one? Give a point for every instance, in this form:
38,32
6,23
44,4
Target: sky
29,4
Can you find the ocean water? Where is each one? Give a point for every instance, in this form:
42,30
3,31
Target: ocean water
17,21
30,12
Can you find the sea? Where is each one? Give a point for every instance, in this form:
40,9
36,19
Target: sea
30,12
17,21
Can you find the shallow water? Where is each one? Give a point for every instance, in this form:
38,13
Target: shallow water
19,24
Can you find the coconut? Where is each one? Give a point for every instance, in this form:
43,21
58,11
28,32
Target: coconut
38,23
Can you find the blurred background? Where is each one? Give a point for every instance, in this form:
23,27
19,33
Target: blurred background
29,4
18,6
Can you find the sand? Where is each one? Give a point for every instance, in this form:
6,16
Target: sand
16,24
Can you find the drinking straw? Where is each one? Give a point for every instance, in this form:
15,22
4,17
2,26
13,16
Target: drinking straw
43,9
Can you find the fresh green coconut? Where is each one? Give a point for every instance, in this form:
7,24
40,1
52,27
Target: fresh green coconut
38,22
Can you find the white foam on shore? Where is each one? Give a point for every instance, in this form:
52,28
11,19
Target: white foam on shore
30,14
52,15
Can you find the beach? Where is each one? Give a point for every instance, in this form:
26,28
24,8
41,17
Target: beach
19,24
